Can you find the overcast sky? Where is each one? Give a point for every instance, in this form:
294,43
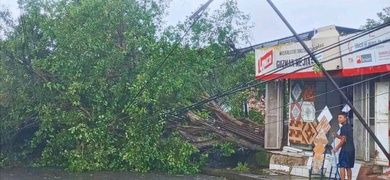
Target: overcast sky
303,15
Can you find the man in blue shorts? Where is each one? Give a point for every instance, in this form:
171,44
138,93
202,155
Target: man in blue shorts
347,152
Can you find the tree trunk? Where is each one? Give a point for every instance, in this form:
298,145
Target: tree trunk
224,128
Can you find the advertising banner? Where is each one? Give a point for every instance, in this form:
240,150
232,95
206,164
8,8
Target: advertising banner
374,56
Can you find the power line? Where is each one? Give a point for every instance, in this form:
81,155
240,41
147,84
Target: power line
185,109
327,48
331,107
347,86
255,84
334,45
350,85
353,83
179,111
321,50
334,58
249,84
330,79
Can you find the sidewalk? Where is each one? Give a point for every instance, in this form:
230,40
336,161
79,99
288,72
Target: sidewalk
232,175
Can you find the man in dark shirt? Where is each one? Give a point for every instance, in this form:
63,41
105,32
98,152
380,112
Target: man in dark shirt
347,152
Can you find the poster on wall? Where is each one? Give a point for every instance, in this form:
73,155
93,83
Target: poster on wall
303,124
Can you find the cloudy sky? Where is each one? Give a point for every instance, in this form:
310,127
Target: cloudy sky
303,15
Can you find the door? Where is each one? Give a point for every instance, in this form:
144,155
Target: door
274,115
382,120
360,102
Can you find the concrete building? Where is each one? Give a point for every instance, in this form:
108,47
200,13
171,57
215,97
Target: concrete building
302,105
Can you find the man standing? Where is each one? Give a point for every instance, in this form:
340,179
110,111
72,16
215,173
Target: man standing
347,152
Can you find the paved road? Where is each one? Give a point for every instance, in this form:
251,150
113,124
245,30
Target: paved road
30,173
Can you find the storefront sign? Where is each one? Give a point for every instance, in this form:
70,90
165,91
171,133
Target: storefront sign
290,60
282,59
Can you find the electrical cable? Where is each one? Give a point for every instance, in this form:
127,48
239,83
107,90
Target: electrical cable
261,82
331,107
324,49
347,86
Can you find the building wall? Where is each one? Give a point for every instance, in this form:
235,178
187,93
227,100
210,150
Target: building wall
357,66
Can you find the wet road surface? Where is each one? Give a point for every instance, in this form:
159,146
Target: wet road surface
30,173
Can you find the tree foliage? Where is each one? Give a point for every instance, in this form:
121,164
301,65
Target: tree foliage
93,77
384,17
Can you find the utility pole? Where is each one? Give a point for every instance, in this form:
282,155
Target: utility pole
327,75
203,7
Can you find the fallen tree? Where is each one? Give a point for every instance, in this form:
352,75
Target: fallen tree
97,94
222,127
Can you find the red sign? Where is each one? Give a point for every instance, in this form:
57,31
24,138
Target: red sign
265,61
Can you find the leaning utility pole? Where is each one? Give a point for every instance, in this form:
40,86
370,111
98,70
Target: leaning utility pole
372,134
202,8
